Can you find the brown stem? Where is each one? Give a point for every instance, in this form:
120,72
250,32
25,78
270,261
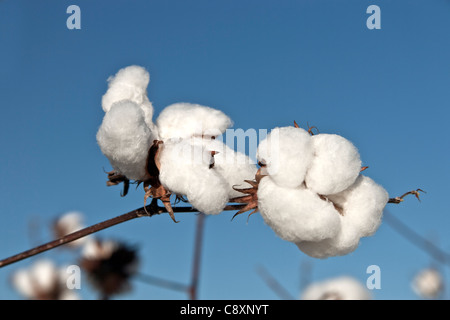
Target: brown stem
148,211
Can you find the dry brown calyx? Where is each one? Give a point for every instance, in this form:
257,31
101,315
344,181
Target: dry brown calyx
250,199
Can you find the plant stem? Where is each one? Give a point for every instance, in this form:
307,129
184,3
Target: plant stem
148,211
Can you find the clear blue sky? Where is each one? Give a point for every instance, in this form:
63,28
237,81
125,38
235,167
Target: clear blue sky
265,64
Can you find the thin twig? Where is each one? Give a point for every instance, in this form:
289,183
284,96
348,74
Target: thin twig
416,239
163,283
148,211
274,284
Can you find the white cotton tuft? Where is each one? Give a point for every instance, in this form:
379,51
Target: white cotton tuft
287,153
40,279
185,120
428,283
130,83
233,166
186,170
98,250
335,166
362,208
68,223
125,139
339,288
22,282
296,214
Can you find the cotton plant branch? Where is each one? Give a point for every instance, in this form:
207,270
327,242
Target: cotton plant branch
148,211
273,284
415,238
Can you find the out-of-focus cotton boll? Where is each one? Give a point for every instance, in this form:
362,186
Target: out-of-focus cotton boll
296,214
184,120
69,223
130,83
42,281
233,166
362,208
428,283
185,170
339,288
96,250
125,139
287,153
336,164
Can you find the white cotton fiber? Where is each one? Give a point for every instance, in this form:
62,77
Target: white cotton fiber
335,166
363,204
130,83
184,120
125,139
362,209
428,283
296,214
185,170
287,153
339,288
233,166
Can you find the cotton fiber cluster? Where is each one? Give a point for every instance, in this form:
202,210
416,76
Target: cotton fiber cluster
43,281
314,195
428,283
191,163
339,288
68,223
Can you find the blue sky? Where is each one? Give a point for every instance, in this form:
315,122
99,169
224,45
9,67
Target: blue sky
265,64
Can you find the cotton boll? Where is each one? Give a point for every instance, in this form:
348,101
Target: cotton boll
296,214
185,170
339,288
184,120
233,166
428,283
22,282
125,139
69,223
336,164
130,83
44,275
96,250
362,207
287,153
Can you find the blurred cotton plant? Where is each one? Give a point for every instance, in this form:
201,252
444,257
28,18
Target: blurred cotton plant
428,283
68,223
338,288
109,266
43,280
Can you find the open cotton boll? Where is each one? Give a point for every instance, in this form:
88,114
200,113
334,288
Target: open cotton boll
296,214
362,208
185,170
125,139
130,83
39,280
287,153
428,283
233,166
184,120
339,288
336,164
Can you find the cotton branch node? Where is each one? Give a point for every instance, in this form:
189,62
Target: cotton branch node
397,200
